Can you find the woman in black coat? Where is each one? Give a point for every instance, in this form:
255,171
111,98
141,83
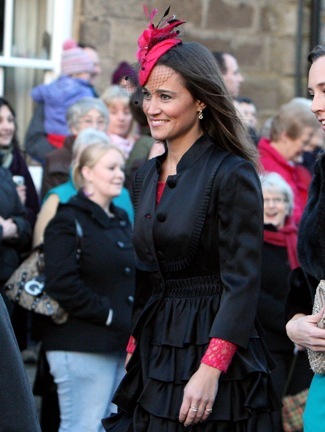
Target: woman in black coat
279,257
17,406
86,354
302,327
12,158
197,360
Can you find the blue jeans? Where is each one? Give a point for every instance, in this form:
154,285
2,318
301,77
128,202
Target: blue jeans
86,383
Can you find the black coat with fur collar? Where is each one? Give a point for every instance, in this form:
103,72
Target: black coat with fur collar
311,237
311,247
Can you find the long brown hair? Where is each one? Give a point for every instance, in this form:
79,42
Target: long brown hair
5,102
200,72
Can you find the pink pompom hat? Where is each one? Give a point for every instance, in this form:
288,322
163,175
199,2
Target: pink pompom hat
74,59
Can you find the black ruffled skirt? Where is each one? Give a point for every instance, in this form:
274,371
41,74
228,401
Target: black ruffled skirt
173,339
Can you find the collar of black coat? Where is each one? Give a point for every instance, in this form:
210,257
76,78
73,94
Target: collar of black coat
80,201
191,156
183,205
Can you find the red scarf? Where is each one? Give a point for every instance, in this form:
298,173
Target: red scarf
56,140
285,237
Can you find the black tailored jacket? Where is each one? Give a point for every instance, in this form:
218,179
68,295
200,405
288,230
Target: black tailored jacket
209,222
102,280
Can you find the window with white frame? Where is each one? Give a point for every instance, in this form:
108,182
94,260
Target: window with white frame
31,37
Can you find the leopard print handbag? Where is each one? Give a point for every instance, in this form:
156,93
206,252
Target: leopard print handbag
317,358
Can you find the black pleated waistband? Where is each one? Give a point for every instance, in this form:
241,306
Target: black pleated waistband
191,287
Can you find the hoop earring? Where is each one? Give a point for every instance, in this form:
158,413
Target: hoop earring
87,193
200,115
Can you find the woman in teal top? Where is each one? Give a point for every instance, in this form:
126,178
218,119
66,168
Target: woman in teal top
67,190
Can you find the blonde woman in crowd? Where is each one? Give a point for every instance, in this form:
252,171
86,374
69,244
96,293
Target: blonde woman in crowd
86,354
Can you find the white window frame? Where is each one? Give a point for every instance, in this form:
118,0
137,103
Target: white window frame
62,11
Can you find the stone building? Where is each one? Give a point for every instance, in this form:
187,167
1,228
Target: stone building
269,38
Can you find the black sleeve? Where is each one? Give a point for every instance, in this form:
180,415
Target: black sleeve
36,144
63,281
299,299
240,232
19,216
32,204
18,411
23,241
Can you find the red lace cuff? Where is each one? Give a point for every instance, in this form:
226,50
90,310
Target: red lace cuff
219,354
131,345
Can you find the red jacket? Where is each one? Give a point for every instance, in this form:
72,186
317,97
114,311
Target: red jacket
296,175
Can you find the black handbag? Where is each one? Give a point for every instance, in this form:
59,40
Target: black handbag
26,286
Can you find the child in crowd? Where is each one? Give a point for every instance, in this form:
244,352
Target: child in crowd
73,84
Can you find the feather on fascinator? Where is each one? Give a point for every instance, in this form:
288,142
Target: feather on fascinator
156,41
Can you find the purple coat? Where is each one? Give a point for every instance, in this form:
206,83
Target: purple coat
57,97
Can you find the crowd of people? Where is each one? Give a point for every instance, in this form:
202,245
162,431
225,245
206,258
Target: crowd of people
182,237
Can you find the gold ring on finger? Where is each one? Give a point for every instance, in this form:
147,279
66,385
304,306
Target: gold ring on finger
209,410
194,409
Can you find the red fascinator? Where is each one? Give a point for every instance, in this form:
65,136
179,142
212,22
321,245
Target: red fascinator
156,41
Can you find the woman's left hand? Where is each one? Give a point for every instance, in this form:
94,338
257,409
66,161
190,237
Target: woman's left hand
199,395
9,228
303,331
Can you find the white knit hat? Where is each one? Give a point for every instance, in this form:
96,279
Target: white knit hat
75,59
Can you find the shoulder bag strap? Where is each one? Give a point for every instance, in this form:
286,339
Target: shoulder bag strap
79,237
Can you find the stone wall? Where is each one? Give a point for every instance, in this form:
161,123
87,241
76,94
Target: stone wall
260,33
